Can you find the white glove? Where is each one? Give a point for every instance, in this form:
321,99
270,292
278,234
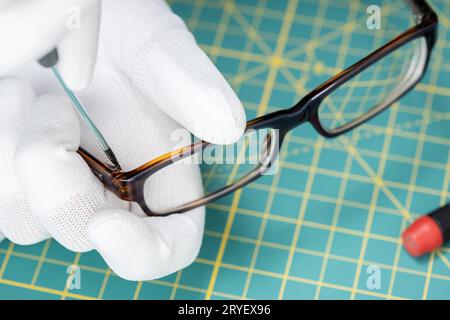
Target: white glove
29,29
149,73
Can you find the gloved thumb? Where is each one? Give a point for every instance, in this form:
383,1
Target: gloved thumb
60,188
146,248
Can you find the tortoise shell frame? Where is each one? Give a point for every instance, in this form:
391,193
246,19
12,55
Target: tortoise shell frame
129,186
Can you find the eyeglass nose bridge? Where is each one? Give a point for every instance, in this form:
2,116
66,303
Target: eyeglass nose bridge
306,110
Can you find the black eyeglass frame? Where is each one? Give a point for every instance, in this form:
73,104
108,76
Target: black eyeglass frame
307,109
129,186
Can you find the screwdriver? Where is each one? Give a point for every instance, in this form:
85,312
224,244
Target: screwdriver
50,61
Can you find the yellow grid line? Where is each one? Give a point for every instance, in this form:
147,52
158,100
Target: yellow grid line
301,280
419,149
41,261
312,252
256,21
42,289
316,225
301,214
341,60
220,32
229,7
372,206
6,259
104,284
262,228
263,105
223,243
244,240
445,186
75,262
138,290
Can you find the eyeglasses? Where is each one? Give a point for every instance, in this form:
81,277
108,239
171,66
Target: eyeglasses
335,107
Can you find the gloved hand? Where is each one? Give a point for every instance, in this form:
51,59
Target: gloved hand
151,79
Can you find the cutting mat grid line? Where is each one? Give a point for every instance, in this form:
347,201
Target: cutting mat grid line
336,207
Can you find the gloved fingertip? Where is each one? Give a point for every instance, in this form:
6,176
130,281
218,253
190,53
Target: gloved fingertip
225,122
78,49
180,78
138,248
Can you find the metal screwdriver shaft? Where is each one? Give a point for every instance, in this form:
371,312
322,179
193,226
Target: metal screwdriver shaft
49,61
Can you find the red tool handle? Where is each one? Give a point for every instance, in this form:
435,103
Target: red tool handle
428,233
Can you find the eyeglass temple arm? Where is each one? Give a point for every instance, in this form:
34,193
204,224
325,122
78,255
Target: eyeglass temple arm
50,61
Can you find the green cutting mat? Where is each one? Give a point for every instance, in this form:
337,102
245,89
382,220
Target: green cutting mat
336,207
